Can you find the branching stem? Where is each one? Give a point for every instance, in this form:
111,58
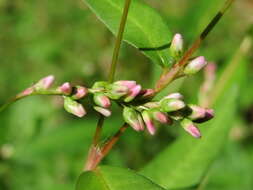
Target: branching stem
167,78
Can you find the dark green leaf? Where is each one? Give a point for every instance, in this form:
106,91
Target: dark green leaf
114,178
145,29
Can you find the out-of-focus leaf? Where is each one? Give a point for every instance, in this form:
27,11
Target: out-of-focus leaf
145,28
114,178
184,163
232,171
71,137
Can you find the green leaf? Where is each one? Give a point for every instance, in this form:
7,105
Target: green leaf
185,162
145,28
114,178
232,171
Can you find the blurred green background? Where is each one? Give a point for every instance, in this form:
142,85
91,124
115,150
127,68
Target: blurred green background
43,147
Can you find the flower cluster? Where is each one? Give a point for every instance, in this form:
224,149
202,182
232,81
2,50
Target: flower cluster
139,110
168,109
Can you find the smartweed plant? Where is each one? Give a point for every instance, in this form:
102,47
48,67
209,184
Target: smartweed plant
141,109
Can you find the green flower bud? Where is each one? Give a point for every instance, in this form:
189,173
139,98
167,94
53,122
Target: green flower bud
195,65
74,107
131,117
171,105
101,100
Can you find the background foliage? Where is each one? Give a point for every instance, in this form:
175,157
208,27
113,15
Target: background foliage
42,147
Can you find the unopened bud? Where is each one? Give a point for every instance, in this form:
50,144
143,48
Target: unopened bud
175,95
26,92
44,83
195,65
152,105
176,47
209,114
131,117
65,88
100,85
171,105
149,122
102,100
74,107
146,93
127,83
197,112
80,92
160,117
190,128
116,91
133,93
105,112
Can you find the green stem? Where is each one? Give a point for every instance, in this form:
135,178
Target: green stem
20,96
118,41
94,155
167,78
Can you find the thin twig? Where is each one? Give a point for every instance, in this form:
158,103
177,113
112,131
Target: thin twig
98,130
172,74
94,155
109,144
118,41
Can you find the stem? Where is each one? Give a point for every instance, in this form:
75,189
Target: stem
95,156
172,74
20,96
98,130
109,144
118,41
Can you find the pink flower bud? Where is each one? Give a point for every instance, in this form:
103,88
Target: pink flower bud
133,93
149,122
65,88
160,117
190,128
176,47
209,114
197,112
44,83
146,93
127,83
102,100
80,92
175,95
74,107
105,112
26,92
195,65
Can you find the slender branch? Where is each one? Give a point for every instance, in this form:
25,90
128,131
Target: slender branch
108,146
98,130
119,40
20,96
95,156
172,74
110,143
